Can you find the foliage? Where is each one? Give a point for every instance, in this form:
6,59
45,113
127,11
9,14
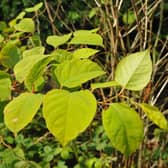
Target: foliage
53,87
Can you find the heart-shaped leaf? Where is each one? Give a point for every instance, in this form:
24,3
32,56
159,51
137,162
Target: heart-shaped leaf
67,114
89,37
56,41
75,72
25,25
21,110
124,127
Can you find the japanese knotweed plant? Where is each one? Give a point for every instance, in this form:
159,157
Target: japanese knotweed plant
67,108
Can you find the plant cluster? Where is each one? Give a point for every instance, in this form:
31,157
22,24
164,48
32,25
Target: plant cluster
59,88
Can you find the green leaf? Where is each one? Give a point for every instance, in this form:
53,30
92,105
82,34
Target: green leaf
56,41
9,55
20,16
87,37
25,25
84,52
21,110
37,71
124,127
75,72
67,114
134,71
5,86
104,84
34,8
155,115
23,67
34,51
61,55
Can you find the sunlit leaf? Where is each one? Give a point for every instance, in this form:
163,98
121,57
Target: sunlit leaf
134,71
56,41
67,114
25,25
155,115
34,51
75,72
124,127
21,110
84,52
34,8
87,37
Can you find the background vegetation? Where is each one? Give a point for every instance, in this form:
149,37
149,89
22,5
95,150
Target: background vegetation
126,27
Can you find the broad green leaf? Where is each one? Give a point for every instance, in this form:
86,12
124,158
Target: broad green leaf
155,115
34,8
67,114
61,55
37,71
75,72
25,25
9,55
21,110
34,51
84,52
124,127
87,37
56,41
23,67
5,86
134,71
104,84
